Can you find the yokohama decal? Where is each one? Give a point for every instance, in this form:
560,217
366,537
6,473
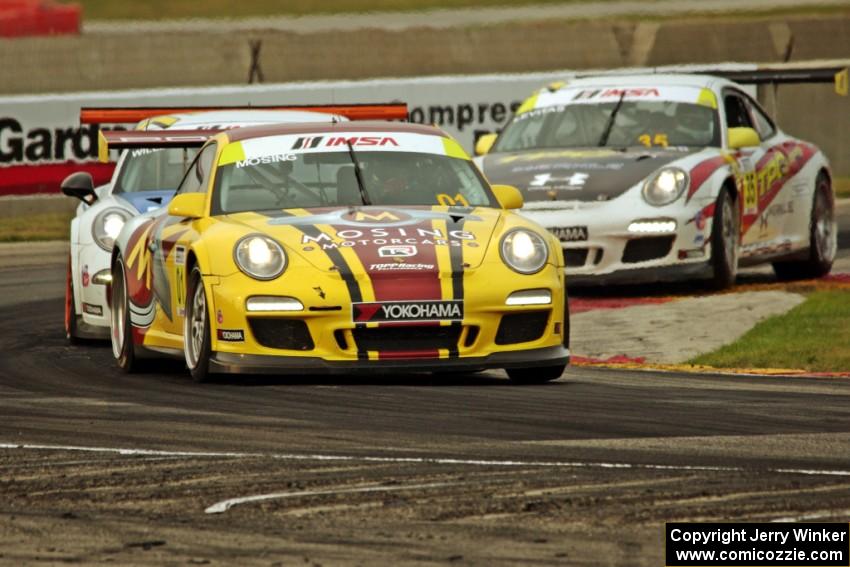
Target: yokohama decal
408,311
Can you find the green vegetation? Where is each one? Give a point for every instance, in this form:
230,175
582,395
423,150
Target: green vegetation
165,9
842,186
813,336
42,226
169,9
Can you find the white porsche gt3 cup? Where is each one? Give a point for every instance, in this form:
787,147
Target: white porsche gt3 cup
145,179
658,177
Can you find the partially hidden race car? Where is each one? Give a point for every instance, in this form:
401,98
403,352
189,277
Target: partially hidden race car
145,179
338,248
654,177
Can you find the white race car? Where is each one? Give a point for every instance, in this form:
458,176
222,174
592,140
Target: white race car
144,180
663,177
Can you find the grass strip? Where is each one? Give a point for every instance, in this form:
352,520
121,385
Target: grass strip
814,336
179,9
168,9
841,185
37,226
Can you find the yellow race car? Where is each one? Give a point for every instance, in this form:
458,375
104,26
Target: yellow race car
303,248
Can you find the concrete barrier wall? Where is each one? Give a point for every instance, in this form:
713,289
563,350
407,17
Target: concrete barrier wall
141,60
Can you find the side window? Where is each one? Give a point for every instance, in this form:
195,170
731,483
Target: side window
736,112
197,176
764,125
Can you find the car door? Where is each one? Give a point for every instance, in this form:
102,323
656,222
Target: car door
173,240
777,197
744,162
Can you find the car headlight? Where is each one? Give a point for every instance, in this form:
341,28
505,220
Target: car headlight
107,225
665,186
260,257
524,251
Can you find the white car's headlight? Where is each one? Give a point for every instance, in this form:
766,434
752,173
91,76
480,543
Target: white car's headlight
524,251
665,186
107,225
260,257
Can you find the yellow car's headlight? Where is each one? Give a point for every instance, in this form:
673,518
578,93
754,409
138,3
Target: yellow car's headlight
260,257
524,251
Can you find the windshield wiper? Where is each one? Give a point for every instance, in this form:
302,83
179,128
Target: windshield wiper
358,173
610,125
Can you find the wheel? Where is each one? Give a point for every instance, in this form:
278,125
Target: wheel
196,328
822,238
537,375
725,234
121,333
71,317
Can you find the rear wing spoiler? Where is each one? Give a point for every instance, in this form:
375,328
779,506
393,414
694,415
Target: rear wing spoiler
150,139
833,71
131,115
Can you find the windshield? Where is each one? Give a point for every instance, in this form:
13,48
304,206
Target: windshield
637,123
330,179
153,170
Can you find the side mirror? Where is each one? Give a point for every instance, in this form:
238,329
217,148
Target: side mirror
743,138
508,196
81,186
188,205
485,144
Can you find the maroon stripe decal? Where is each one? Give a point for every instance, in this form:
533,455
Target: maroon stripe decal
401,354
701,172
778,165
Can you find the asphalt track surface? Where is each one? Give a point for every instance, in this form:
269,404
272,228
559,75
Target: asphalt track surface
101,467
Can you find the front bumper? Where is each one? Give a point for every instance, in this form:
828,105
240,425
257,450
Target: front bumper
91,302
612,254
264,364
324,337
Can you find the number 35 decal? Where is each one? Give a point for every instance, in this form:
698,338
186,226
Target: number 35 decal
657,140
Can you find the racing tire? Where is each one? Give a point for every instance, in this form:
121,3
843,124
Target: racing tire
71,318
725,241
822,238
539,375
196,328
121,331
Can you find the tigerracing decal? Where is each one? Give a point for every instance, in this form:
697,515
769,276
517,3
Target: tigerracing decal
407,311
399,267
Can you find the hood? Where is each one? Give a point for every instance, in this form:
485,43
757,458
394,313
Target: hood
145,201
594,174
381,241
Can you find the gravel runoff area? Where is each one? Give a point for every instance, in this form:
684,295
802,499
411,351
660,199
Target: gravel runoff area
461,17
675,331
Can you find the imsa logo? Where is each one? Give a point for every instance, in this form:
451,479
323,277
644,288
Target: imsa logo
404,311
